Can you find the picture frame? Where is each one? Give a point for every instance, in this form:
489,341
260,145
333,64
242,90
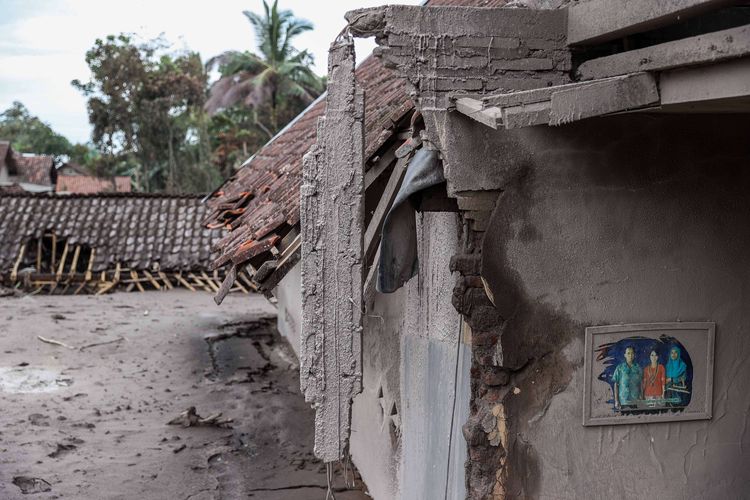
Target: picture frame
648,372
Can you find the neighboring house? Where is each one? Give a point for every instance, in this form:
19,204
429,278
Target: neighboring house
594,158
96,242
89,184
30,173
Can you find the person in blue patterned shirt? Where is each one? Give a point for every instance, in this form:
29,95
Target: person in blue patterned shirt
627,379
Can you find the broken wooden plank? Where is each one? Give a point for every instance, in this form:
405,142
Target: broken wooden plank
332,220
600,98
372,235
375,171
527,115
476,110
597,21
226,285
701,49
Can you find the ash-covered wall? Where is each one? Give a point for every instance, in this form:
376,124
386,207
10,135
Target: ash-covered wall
638,218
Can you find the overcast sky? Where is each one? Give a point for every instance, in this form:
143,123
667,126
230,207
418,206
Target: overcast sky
44,42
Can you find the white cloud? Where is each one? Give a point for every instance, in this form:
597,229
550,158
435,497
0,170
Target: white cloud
43,49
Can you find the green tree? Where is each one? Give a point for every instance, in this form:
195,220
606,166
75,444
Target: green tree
29,134
146,108
278,83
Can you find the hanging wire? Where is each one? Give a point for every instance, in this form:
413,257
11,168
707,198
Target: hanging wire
329,480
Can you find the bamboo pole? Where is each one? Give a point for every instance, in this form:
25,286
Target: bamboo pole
184,282
90,266
73,264
210,282
53,260
39,254
14,272
62,261
166,281
152,280
134,275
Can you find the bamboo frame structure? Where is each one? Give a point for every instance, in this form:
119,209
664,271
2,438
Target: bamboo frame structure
40,269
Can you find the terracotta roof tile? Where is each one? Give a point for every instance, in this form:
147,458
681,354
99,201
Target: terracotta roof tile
89,184
262,199
137,230
34,169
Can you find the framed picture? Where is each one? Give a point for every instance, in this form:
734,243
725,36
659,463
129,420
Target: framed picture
651,372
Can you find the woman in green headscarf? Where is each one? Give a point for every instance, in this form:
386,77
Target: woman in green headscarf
676,377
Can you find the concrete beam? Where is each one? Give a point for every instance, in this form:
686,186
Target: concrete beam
702,49
729,80
597,21
332,221
601,98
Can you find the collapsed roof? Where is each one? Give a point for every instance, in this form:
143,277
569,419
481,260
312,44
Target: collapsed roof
151,232
259,206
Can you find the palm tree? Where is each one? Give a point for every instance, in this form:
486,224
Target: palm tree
277,81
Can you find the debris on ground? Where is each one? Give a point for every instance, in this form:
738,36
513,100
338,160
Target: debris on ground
189,418
30,485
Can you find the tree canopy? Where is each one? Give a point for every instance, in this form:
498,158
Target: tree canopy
276,84
146,109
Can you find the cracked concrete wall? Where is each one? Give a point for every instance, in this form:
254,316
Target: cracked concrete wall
619,219
640,218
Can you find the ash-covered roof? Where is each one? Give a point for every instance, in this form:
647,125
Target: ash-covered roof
89,184
139,231
260,204
34,169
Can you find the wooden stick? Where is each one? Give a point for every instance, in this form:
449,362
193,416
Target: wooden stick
95,344
39,254
210,282
62,261
117,272
53,261
134,275
73,264
184,282
106,287
152,280
14,272
166,281
54,342
91,265
199,282
80,287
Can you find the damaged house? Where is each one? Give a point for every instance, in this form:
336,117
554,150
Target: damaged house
95,243
535,285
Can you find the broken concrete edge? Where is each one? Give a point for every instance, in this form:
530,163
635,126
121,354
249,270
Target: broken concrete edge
332,222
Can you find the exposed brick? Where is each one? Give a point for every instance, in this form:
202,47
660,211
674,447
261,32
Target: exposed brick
487,42
485,338
466,263
448,84
494,376
527,64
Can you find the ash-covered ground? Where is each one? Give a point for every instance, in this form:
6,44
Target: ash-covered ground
88,385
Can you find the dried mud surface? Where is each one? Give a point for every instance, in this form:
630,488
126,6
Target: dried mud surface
88,419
